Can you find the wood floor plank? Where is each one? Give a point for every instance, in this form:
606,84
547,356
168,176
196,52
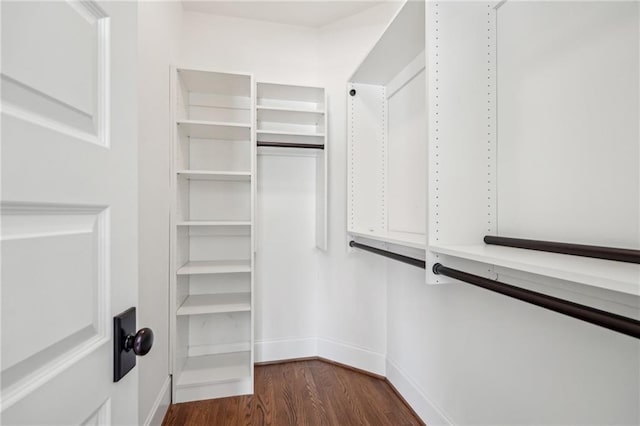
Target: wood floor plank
317,411
335,392
309,392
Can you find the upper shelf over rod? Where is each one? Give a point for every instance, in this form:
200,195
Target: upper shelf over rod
401,42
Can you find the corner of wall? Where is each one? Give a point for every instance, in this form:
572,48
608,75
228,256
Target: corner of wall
158,34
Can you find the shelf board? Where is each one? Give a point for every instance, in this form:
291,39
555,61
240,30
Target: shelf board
400,43
213,223
291,116
215,267
616,276
289,93
215,303
209,175
291,109
417,241
278,133
211,369
215,130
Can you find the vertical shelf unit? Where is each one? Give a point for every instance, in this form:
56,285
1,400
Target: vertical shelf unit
547,152
295,118
212,249
387,136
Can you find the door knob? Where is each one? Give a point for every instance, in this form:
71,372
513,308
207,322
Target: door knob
141,342
127,343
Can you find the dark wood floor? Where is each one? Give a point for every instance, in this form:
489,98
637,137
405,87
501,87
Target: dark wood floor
311,392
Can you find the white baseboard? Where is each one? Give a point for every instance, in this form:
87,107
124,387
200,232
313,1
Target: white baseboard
353,356
415,397
306,347
160,406
281,349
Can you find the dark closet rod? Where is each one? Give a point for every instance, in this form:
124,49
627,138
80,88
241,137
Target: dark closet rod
619,323
608,253
391,255
291,145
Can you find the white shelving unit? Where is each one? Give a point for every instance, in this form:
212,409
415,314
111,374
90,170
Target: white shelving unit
212,235
387,136
289,114
539,153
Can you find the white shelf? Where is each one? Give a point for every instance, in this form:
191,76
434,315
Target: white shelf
291,109
291,94
291,116
215,267
610,275
277,133
214,223
212,369
215,303
290,137
402,239
215,130
209,175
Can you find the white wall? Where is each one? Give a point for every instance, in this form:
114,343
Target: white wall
482,358
353,321
272,52
158,24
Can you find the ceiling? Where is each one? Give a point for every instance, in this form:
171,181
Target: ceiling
307,13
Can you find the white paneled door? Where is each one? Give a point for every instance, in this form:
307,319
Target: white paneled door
69,209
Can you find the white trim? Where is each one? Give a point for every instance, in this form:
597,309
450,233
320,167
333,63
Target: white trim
161,405
354,356
47,123
282,349
429,412
332,350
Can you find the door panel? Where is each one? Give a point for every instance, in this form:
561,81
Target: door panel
62,87
69,213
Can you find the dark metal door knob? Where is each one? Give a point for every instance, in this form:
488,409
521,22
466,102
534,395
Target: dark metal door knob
141,342
127,343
